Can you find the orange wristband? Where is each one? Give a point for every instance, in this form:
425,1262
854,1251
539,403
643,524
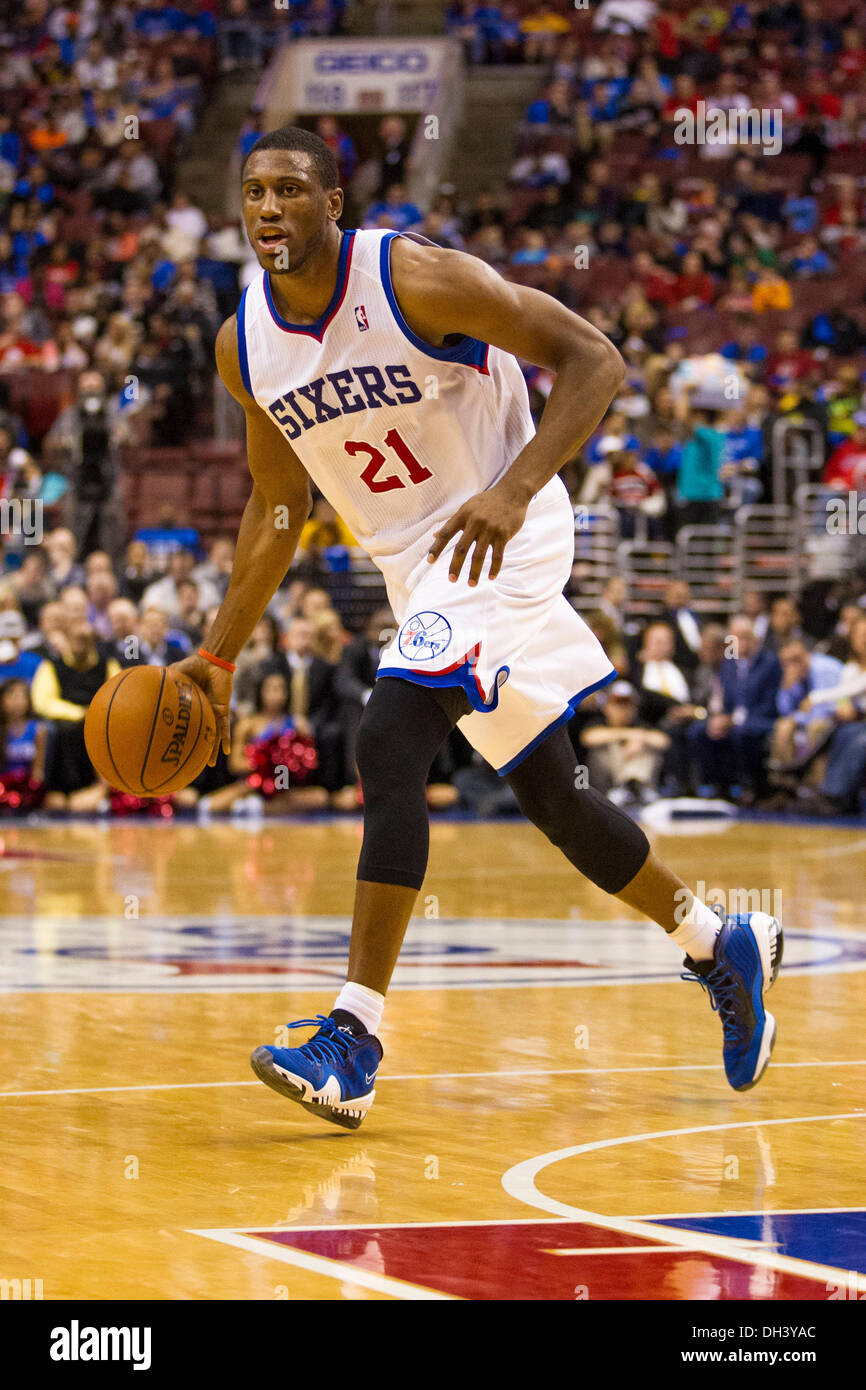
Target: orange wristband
217,660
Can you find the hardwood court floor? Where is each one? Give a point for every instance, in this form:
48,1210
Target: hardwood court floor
551,1092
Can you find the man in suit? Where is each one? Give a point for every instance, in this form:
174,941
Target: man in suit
312,701
731,745
157,647
705,695
686,629
661,684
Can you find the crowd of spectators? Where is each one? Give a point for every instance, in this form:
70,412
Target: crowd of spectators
766,709
732,282
731,275
69,621
104,262
249,30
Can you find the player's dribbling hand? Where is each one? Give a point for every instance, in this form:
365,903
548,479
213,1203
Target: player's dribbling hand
488,521
217,685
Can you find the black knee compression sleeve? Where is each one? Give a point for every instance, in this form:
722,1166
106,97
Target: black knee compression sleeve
402,729
599,839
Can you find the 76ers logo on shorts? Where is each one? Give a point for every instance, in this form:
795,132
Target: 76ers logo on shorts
424,636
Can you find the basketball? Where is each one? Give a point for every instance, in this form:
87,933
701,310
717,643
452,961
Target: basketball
148,732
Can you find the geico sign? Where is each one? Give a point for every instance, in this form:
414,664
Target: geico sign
380,61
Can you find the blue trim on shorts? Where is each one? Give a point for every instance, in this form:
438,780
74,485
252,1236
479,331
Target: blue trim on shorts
567,714
461,675
243,359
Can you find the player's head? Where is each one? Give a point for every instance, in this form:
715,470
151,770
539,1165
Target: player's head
290,192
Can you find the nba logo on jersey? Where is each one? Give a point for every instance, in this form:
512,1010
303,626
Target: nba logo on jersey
423,636
361,317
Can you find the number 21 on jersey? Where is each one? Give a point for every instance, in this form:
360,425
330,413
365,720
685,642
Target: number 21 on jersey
376,461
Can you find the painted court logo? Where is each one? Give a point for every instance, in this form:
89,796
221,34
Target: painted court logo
424,636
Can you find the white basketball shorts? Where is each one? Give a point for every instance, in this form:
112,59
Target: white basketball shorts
520,651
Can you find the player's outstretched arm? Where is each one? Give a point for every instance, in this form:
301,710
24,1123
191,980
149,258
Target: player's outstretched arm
279,504
442,292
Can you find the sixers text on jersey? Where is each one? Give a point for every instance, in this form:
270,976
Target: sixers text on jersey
332,395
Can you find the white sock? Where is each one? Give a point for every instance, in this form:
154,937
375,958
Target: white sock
366,1004
697,932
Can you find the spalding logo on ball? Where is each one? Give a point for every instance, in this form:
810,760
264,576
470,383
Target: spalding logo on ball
148,732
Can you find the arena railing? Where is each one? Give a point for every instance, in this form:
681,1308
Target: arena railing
829,542
646,566
765,546
596,537
707,561
798,457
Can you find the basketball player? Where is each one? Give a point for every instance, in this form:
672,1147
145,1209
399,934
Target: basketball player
383,368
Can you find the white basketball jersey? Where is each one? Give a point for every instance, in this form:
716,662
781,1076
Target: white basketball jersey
395,433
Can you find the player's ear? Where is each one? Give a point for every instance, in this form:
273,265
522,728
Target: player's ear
335,204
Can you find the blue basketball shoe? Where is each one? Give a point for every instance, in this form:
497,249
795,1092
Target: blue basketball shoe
745,964
332,1074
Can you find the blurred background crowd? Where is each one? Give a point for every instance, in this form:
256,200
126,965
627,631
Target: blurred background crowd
732,280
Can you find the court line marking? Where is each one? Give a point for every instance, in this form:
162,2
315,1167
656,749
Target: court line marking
747,1251
831,851
398,987
331,1269
427,1076
351,820
412,1225
537,1221
613,1250
284,981
776,1211
519,1182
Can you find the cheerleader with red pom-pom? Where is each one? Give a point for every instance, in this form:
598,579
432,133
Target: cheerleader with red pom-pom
22,751
274,756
